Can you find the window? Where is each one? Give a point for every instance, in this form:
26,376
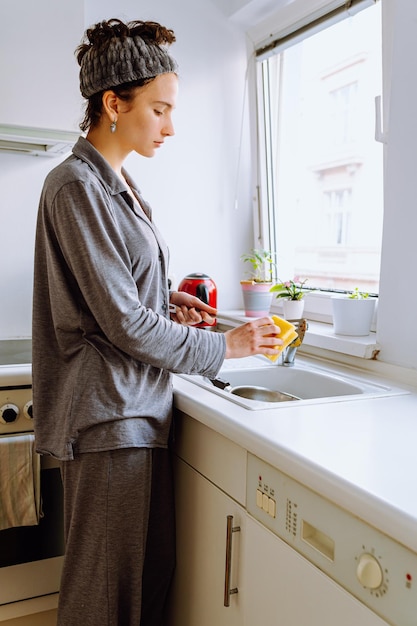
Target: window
343,114
321,169
336,221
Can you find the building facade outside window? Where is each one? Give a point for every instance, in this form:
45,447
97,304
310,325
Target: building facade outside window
321,167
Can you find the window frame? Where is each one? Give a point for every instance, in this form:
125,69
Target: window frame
318,301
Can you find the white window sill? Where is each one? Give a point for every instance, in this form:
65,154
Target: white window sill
321,335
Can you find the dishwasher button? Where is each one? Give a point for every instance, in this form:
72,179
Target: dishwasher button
272,507
265,502
259,495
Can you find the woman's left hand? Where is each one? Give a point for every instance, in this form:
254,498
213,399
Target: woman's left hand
190,310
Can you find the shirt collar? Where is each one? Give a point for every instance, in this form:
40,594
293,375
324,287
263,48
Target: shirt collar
85,151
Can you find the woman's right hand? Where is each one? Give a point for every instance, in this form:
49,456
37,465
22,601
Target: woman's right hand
257,337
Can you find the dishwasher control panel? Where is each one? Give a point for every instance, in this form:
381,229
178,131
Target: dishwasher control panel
374,568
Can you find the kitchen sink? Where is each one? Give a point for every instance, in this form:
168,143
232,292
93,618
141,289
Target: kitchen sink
309,382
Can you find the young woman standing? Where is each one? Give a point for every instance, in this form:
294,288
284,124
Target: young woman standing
107,335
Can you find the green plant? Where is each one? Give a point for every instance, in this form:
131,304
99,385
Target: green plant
291,289
358,295
261,263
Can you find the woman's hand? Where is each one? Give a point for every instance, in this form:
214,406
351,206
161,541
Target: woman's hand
190,310
257,337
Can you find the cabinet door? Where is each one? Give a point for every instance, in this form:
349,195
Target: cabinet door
198,589
284,589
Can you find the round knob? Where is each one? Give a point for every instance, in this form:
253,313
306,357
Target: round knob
369,571
8,413
28,410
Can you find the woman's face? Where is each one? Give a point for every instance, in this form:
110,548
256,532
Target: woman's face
144,123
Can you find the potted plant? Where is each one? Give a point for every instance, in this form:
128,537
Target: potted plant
353,313
256,293
292,292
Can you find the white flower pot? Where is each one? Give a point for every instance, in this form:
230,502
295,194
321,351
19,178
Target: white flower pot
256,298
293,309
351,316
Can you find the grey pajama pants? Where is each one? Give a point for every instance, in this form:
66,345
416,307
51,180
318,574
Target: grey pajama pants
120,538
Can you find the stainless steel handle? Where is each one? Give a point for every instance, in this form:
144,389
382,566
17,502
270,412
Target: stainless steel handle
230,529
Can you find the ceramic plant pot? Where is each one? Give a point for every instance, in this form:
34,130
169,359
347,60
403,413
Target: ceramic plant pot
352,316
293,309
256,298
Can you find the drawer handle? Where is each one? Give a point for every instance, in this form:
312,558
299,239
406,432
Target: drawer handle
230,529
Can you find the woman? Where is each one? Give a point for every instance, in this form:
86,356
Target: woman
107,335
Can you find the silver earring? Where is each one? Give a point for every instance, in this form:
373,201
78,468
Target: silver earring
113,127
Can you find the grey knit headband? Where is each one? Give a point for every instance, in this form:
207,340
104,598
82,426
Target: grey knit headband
124,61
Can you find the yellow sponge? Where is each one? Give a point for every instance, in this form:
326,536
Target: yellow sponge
287,334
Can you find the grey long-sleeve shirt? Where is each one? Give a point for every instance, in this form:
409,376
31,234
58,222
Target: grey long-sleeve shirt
103,344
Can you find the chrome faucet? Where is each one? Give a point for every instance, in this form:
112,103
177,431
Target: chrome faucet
288,355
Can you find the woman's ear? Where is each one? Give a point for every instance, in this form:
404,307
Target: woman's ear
111,105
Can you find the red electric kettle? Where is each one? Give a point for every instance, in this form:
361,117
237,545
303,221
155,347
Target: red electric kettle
203,287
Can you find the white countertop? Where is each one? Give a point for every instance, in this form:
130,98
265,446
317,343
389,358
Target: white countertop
359,453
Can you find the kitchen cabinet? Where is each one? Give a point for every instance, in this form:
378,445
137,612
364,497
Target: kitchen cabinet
198,590
210,477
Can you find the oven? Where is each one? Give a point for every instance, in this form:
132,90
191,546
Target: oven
31,556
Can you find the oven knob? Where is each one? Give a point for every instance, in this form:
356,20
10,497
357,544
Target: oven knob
28,410
369,571
8,413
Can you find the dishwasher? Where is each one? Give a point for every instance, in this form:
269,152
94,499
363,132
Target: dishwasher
317,564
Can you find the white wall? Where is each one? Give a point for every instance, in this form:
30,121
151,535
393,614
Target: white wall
38,73
191,183
21,180
40,88
397,330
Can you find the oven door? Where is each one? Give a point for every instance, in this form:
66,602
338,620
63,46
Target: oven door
31,556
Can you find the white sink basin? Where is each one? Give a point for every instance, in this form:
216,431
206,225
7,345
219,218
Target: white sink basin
304,383
311,384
